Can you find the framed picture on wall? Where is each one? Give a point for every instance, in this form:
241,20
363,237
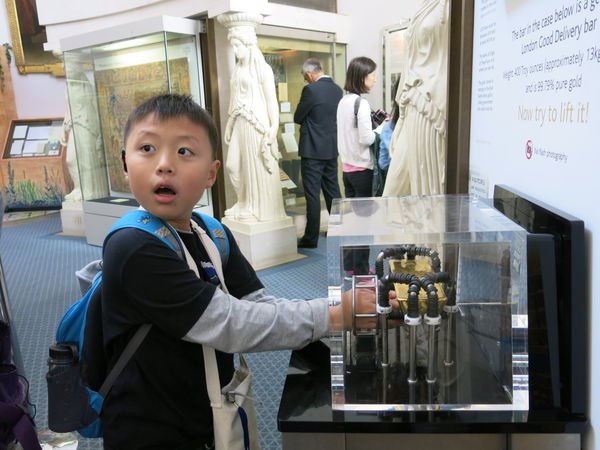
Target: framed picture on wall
33,170
34,138
28,38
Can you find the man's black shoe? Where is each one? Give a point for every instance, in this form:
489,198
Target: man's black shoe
305,244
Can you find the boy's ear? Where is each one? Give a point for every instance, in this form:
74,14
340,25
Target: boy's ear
214,169
123,160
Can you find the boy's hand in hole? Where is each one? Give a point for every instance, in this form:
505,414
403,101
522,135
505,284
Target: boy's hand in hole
365,302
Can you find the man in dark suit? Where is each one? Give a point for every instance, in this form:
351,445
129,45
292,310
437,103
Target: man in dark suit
316,114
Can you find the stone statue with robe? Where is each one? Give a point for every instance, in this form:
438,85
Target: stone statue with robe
251,132
418,144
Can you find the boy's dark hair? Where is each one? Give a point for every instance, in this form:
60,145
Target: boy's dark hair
357,71
168,106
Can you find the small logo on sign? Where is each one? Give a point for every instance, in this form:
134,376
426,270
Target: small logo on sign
529,149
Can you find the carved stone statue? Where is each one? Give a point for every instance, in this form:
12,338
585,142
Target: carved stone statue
251,131
418,144
86,165
66,140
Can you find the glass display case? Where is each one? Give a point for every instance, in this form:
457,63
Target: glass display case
109,72
394,57
32,168
286,55
450,327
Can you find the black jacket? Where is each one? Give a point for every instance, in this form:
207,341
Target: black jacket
316,114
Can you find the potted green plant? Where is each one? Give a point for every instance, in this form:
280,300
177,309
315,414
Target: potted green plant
8,52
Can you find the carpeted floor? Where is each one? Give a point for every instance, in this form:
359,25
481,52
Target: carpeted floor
39,266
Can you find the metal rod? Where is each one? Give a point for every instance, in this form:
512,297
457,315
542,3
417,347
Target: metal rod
384,339
430,400
397,334
384,383
348,347
450,311
431,355
432,323
448,357
412,399
412,355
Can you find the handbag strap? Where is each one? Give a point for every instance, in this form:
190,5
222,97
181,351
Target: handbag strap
213,383
356,107
213,254
211,371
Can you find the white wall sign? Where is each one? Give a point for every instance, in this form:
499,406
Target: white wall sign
535,99
535,117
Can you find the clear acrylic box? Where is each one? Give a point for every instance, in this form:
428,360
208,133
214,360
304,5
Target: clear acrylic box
459,340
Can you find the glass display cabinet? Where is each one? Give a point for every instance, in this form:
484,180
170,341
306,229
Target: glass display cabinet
488,346
286,55
109,72
32,166
459,339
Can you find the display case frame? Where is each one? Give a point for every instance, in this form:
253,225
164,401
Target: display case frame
285,51
394,57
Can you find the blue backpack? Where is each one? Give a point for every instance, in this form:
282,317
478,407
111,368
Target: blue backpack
78,379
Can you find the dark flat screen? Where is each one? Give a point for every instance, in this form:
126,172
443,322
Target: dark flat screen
557,301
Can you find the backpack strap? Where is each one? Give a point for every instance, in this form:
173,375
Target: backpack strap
143,220
133,344
217,233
